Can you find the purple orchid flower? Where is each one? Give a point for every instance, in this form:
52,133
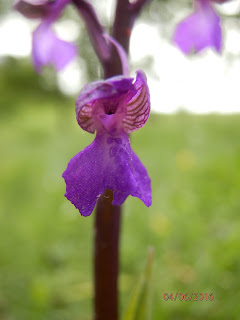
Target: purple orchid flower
200,30
47,48
113,108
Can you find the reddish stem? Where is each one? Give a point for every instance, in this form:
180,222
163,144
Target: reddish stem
95,29
107,230
108,217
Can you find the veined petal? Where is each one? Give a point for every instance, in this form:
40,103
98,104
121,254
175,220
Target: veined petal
138,107
112,88
49,49
108,162
128,104
200,30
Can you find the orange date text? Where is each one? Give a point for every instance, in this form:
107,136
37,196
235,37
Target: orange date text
188,296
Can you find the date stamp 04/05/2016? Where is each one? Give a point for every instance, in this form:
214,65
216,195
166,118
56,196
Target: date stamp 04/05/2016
188,296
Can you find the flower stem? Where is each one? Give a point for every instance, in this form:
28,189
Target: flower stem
107,223
94,28
107,229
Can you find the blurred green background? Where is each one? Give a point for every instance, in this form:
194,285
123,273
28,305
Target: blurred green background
46,246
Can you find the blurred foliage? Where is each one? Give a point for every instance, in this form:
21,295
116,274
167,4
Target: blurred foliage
4,7
46,246
139,306
19,79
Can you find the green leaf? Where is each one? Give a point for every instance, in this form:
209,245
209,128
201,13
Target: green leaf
139,307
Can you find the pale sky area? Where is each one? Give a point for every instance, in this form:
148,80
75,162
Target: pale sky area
205,83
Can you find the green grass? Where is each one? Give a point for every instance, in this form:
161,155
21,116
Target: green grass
193,223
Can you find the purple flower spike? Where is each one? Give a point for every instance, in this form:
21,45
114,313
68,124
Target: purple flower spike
114,108
199,30
47,48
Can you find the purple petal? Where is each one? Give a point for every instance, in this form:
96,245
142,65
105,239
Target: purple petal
113,88
138,107
108,162
141,180
48,49
200,30
127,102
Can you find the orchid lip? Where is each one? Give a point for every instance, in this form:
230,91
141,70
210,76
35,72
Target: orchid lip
113,108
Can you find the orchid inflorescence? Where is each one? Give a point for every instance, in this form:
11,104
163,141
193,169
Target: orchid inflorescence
113,107
200,30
